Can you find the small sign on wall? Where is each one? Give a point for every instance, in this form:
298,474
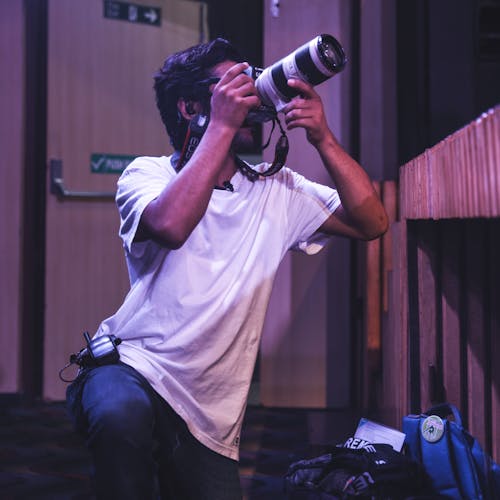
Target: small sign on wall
104,163
133,13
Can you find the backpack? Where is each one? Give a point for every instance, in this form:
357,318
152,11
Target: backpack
372,471
453,460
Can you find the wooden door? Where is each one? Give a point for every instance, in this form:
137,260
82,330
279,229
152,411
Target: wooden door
100,101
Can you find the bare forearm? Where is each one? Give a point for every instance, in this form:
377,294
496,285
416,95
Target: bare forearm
359,199
175,213
362,215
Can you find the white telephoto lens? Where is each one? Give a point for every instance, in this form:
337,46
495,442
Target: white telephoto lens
314,62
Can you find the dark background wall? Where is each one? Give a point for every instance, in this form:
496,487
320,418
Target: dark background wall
448,58
240,23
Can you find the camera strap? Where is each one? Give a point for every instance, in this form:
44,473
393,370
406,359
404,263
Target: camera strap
196,129
280,155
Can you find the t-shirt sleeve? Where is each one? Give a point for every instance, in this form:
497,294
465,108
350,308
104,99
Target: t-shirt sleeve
141,182
310,205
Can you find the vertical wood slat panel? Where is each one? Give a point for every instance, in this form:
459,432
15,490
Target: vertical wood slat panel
494,328
458,320
377,263
475,328
468,293
403,341
458,177
372,319
475,317
427,314
450,306
390,201
392,335
394,400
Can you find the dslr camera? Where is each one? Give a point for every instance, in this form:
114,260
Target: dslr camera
314,62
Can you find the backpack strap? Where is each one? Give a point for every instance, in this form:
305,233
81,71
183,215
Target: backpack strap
445,409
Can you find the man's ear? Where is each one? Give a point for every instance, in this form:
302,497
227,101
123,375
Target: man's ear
188,108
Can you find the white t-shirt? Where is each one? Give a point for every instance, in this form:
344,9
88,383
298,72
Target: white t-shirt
192,320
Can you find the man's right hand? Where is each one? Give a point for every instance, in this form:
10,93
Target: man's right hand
233,96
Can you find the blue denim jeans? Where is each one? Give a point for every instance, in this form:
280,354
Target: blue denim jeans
140,447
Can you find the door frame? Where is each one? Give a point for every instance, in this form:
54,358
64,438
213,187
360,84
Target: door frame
34,198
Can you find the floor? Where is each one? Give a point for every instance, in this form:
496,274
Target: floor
42,458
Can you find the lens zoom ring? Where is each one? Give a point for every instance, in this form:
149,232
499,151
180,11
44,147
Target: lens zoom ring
306,66
280,79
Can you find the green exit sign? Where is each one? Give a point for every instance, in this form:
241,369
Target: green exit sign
104,163
133,13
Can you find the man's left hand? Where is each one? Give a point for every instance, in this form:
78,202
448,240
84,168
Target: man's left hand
306,111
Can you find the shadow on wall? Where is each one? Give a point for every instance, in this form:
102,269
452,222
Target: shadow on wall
455,329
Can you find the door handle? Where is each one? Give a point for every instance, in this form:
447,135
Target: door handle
58,188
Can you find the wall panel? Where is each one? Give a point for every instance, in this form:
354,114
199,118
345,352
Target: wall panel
11,189
304,355
449,210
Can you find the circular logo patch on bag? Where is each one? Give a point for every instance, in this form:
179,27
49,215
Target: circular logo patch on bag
432,428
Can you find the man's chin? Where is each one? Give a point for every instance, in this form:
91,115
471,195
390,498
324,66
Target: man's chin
245,141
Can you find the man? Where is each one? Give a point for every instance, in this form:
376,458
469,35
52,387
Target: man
202,261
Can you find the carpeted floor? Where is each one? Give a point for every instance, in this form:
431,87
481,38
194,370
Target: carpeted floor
42,458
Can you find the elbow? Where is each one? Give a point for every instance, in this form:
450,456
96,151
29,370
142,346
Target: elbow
173,244
164,227
173,238
378,227
168,235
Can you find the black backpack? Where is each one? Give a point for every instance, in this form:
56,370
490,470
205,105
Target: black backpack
372,471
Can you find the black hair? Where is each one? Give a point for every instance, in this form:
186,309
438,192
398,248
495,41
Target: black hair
180,77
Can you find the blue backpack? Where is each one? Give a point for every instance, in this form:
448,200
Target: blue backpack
453,460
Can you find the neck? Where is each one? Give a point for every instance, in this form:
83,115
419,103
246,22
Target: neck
227,170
